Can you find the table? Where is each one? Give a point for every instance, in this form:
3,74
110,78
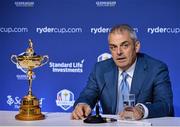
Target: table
7,118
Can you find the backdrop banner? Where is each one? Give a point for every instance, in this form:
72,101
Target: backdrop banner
73,33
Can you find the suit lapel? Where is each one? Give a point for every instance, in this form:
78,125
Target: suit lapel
140,73
111,79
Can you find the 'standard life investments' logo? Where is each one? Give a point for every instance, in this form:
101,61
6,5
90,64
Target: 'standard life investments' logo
65,99
67,67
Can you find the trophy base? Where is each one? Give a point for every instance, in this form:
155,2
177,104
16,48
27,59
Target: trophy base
29,109
30,117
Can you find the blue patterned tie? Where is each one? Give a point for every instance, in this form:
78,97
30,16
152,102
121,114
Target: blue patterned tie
124,84
124,89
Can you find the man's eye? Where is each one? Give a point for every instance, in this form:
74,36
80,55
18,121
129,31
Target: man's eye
125,45
112,47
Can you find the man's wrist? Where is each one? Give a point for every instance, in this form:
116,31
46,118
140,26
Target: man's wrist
146,111
141,109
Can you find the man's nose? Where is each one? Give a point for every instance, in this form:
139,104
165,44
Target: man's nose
119,50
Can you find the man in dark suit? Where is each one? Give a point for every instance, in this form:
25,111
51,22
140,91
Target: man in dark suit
147,78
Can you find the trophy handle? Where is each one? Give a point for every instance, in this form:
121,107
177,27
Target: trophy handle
45,60
14,59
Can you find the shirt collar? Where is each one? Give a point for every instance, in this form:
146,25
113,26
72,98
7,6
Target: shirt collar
130,70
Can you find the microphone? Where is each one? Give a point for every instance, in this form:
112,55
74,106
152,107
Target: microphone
98,118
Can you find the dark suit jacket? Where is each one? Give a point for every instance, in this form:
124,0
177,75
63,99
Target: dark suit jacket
150,84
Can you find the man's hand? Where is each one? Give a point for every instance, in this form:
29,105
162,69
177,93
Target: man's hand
81,111
132,113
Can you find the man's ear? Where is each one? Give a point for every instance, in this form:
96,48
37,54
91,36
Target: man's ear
137,46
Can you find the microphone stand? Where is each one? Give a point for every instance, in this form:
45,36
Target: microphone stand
98,118
95,118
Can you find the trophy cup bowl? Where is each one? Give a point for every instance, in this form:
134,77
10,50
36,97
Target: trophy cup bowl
29,108
29,62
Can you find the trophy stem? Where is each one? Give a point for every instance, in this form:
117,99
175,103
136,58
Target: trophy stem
30,74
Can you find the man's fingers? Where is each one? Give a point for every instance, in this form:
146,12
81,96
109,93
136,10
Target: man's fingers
131,112
87,110
121,114
137,113
81,111
74,116
77,113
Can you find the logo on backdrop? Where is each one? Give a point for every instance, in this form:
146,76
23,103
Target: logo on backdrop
104,30
104,56
24,3
98,30
163,30
16,101
14,30
65,99
105,3
67,67
59,30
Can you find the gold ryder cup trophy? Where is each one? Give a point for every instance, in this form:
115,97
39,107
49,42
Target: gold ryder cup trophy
29,108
